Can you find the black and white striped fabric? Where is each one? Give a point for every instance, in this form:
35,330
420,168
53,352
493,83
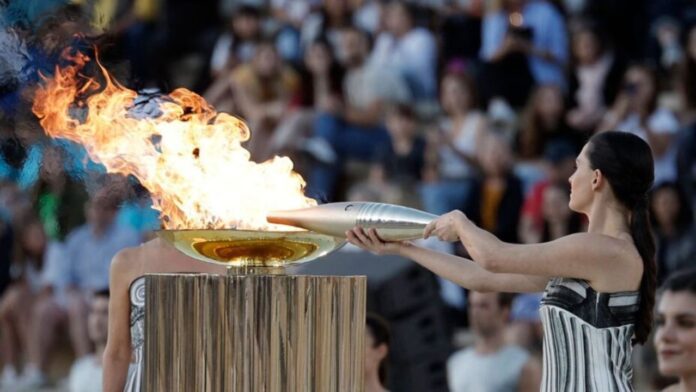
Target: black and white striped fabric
587,337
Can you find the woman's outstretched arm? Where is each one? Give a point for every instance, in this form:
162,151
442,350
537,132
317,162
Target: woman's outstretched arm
606,262
459,270
117,355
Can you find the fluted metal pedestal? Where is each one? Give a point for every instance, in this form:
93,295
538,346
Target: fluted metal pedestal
254,333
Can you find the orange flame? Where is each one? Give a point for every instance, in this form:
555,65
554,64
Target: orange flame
190,157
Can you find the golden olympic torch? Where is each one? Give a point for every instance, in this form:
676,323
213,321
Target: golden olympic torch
392,222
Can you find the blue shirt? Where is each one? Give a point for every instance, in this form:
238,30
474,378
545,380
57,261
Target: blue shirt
549,34
87,259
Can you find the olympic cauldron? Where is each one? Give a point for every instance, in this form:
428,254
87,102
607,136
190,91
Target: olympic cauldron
259,328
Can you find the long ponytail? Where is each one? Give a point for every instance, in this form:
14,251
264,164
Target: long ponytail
626,162
645,243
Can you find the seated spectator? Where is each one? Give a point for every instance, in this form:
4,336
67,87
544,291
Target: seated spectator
491,365
408,50
451,163
673,225
497,197
376,353
675,335
595,78
86,372
355,128
543,121
237,45
260,92
559,165
33,270
636,111
332,17
397,167
523,43
321,90
82,271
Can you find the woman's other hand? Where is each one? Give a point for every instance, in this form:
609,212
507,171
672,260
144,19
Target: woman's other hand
447,227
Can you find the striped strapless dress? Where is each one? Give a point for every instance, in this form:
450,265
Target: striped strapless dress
587,337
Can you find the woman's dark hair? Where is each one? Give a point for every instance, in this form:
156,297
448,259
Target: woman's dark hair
684,217
379,329
626,161
684,280
305,97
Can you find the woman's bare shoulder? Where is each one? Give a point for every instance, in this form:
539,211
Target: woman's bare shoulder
672,388
129,263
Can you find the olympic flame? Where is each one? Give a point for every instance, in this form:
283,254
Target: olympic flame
189,156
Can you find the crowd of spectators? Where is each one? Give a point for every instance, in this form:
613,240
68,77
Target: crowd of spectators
474,105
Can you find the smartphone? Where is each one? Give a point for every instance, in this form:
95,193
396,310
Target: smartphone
524,32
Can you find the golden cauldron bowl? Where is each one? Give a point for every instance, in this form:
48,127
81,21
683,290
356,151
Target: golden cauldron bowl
252,250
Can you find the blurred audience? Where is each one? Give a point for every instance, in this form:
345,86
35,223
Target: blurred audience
408,50
595,77
397,167
354,128
491,364
542,121
321,88
685,76
636,110
83,270
86,373
523,42
497,197
34,275
673,225
237,45
327,21
451,162
559,165
260,92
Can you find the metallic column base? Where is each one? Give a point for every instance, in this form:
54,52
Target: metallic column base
254,333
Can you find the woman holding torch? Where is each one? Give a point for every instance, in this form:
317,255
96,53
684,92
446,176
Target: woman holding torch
599,285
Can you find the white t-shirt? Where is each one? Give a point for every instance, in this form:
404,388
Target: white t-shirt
413,56
86,375
662,121
367,84
469,371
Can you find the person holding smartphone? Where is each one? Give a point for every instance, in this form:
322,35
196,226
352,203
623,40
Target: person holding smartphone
524,42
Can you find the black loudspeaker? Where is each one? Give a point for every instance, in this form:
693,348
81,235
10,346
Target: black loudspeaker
407,296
